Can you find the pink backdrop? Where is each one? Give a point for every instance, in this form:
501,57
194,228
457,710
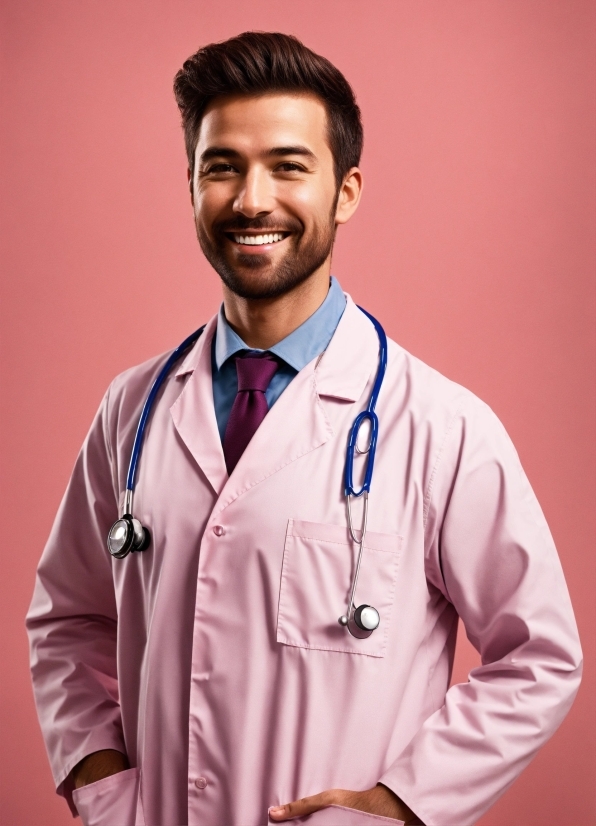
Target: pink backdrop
474,245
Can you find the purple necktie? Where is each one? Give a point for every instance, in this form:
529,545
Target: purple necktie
250,405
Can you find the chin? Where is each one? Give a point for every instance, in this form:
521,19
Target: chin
251,262
254,276
254,288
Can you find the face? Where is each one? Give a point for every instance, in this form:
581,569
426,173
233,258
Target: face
264,194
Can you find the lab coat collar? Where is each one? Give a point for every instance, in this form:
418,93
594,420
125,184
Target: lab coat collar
342,370
191,360
351,357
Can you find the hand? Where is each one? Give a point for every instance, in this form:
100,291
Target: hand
376,801
98,765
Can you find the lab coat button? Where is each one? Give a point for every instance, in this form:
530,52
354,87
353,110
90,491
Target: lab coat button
201,782
218,530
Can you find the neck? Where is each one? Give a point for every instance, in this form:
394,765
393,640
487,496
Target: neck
263,322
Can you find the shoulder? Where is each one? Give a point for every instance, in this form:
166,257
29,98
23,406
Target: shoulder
429,395
457,431
128,390
137,380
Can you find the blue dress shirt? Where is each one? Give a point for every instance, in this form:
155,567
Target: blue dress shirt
295,352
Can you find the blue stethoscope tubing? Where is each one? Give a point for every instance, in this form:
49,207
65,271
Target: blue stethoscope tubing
128,535
367,415
149,401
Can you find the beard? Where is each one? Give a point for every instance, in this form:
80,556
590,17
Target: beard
303,258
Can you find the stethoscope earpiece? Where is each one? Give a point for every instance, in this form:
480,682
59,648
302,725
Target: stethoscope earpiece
127,535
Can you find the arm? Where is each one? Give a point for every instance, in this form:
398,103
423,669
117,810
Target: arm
378,801
72,621
490,552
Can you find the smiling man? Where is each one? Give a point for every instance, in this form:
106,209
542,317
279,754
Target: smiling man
194,671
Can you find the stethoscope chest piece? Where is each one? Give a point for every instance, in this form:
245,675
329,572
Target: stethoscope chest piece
362,621
127,535
366,618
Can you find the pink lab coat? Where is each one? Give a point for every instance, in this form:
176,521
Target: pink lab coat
215,659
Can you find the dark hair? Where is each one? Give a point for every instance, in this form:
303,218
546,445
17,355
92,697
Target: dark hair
259,62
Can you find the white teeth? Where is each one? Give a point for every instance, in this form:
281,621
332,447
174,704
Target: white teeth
257,240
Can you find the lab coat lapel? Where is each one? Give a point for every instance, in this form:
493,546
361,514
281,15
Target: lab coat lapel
299,422
294,426
193,412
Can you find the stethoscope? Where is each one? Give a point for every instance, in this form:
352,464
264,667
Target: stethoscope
128,535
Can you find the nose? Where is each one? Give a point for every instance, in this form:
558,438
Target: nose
256,196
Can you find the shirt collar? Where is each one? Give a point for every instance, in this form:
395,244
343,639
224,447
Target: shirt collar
302,345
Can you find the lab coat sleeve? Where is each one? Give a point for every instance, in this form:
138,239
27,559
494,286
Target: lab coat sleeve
72,620
490,552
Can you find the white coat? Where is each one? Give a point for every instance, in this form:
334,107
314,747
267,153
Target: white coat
215,659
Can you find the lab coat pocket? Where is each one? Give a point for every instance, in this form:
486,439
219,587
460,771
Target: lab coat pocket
342,816
113,801
317,570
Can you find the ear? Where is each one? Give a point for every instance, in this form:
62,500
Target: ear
190,186
349,196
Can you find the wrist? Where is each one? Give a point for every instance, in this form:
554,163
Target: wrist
403,812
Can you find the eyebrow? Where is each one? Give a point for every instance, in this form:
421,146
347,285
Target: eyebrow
277,151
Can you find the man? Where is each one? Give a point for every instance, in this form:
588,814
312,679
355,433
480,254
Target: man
206,680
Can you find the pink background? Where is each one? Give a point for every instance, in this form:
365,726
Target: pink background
474,245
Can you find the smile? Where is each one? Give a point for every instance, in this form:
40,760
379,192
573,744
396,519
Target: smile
258,240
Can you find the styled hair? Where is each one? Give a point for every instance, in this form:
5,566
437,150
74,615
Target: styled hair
256,63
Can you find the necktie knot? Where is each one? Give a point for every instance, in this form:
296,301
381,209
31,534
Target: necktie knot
255,372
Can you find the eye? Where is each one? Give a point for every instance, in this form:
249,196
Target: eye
219,168
290,166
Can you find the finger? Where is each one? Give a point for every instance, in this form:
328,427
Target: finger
304,806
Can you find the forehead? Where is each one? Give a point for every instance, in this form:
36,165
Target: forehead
258,123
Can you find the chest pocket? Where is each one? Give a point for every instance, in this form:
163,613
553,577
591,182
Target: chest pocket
317,570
